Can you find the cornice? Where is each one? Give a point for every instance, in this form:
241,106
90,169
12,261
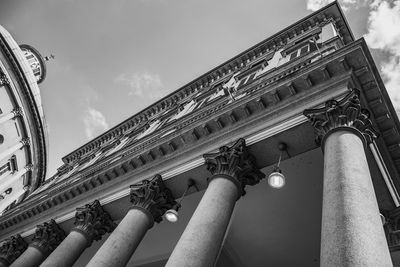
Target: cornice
261,105
155,145
328,13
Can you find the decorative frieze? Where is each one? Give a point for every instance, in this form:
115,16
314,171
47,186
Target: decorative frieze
153,196
47,237
12,248
345,113
234,162
93,221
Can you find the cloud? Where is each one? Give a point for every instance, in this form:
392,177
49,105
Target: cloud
384,34
142,84
94,121
314,5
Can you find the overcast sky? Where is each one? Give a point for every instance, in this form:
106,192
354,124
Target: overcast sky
113,58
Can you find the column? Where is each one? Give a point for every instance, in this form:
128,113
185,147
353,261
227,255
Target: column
13,149
351,233
13,177
150,200
232,168
14,113
47,237
91,223
11,249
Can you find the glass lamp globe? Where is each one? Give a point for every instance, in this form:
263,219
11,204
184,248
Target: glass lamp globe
276,179
171,215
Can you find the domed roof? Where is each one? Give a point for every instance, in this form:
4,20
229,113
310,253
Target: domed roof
35,61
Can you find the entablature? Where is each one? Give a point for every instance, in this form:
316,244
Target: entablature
302,84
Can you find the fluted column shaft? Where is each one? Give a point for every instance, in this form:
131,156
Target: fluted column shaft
91,223
233,168
150,199
351,232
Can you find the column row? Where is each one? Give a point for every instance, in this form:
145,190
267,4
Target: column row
352,232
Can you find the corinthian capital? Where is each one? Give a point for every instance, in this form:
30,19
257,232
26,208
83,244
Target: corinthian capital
3,79
12,248
153,196
93,221
26,142
47,237
234,162
17,112
345,113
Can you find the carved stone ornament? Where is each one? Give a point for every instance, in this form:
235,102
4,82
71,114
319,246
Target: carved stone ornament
345,113
47,237
3,79
26,142
153,196
93,221
17,112
12,248
235,162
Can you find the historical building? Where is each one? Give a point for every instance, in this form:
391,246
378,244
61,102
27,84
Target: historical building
287,154
23,134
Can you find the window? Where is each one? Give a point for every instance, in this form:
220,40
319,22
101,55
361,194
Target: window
293,55
151,128
10,166
304,50
300,52
5,168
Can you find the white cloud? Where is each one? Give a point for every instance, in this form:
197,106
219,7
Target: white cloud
94,121
384,27
142,84
314,5
384,34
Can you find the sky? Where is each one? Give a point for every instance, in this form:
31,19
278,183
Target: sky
114,58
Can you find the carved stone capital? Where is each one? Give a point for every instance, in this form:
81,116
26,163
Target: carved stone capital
17,112
152,196
12,248
47,237
29,167
26,142
234,162
93,221
3,79
343,114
